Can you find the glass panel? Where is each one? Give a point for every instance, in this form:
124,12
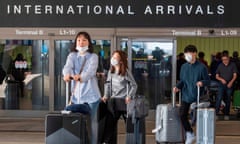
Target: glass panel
102,48
152,69
26,65
62,49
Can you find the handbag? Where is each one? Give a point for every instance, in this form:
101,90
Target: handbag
117,104
79,108
138,107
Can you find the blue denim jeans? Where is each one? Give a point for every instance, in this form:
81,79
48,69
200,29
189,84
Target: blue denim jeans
94,121
223,89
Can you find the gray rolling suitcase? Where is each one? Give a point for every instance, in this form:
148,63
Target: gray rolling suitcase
168,124
67,128
135,131
206,123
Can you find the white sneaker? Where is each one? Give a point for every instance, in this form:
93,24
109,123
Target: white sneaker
190,137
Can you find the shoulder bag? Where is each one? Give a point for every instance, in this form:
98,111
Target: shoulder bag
138,107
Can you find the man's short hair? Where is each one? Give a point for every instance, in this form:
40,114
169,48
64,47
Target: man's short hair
190,48
225,55
201,54
181,54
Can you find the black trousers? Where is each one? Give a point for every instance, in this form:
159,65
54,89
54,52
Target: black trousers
111,123
184,112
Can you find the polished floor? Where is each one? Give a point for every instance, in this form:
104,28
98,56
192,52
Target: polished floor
31,131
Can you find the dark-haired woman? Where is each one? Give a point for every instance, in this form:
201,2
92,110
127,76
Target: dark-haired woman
118,90
82,65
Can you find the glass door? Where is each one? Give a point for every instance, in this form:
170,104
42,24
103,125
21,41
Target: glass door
151,64
24,74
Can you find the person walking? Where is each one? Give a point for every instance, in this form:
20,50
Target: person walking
19,71
226,74
81,65
193,74
118,91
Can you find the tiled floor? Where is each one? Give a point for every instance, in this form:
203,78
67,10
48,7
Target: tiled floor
31,131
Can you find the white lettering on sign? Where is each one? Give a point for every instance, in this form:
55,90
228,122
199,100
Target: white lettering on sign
79,9
229,32
184,9
70,9
67,32
187,33
29,32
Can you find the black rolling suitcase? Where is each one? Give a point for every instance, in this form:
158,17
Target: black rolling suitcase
12,95
135,131
67,128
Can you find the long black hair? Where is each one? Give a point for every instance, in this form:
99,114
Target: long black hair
123,63
87,36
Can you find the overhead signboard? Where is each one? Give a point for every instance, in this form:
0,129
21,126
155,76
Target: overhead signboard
119,13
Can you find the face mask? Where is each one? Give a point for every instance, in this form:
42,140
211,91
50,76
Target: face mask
114,61
82,49
188,57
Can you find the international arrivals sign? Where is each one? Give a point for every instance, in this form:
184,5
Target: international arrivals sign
119,13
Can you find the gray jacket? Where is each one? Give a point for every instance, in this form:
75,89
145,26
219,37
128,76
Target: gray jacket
118,86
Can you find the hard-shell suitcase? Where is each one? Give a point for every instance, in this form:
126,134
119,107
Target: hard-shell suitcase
206,123
12,95
67,128
135,123
168,124
205,126
135,131
71,128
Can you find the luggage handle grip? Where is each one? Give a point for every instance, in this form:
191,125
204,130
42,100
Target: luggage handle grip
174,99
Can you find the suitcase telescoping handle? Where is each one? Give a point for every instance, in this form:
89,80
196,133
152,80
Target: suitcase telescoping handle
67,90
67,93
174,99
67,99
198,96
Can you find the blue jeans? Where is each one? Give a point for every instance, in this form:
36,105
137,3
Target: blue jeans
94,121
222,89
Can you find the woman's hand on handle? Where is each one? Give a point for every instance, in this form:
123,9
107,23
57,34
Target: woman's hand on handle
104,99
67,78
127,100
